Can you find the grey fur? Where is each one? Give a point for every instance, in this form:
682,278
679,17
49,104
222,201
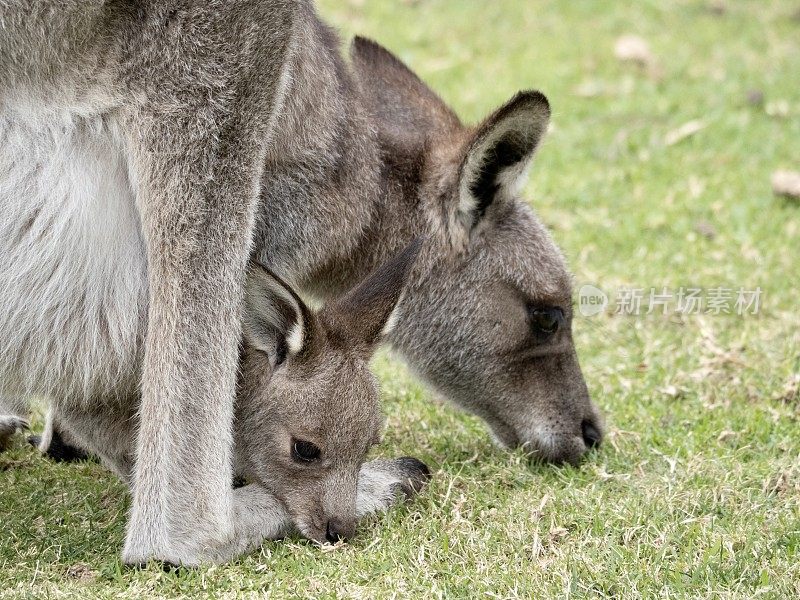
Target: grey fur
385,160
225,129
320,390
316,387
166,111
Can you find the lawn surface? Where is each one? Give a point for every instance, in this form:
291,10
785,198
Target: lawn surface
696,492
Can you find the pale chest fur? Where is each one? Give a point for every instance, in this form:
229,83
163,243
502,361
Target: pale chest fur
73,289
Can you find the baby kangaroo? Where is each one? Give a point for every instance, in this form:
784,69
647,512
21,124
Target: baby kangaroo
307,408
307,413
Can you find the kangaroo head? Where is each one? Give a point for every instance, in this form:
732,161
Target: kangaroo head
488,320
307,405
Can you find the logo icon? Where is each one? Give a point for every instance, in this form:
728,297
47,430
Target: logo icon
591,300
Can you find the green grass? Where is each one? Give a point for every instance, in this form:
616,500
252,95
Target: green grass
697,491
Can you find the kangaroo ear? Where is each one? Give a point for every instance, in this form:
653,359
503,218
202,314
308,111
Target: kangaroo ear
404,104
368,312
276,321
496,163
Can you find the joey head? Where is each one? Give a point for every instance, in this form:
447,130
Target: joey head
308,407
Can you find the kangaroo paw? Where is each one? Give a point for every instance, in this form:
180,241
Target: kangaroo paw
10,425
383,483
414,475
58,450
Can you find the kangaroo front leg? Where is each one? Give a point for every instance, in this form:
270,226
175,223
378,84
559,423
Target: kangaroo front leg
197,203
105,430
205,90
55,443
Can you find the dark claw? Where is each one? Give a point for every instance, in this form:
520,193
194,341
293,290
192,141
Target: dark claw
416,474
59,450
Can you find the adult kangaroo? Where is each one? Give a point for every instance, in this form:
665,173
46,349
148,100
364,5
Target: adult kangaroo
486,319
147,149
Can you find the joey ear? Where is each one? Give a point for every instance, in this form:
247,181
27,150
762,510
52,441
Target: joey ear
275,321
404,104
368,312
496,163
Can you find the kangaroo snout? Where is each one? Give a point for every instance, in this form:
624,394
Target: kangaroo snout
565,446
591,432
557,439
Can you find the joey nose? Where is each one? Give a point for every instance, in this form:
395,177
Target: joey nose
337,529
591,434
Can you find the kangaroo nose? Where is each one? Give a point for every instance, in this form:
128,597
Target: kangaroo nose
591,434
337,530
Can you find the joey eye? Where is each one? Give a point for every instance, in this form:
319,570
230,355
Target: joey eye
545,321
303,451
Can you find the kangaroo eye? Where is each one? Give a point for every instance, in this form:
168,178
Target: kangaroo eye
304,451
545,321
